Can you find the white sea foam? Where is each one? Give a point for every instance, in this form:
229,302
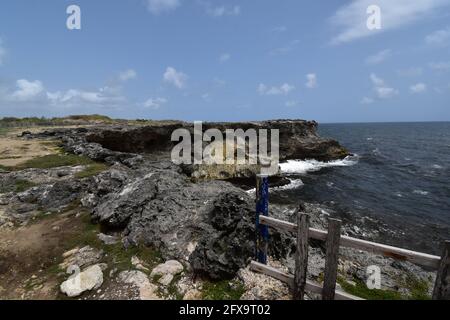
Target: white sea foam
421,192
292,185
305,166
296,183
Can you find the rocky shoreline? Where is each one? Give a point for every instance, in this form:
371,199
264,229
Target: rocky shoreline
203,227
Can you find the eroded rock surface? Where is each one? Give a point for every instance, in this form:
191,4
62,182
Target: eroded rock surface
167,271
209,226
138,279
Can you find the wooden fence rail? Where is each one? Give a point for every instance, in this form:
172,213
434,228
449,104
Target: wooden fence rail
422,259
333,241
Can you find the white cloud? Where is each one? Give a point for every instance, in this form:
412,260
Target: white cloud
418,88
410,72
2,53
379,57
381,89
162,6
279,29
221,11
219,82
442,66
378,82
367,100
284,89
27,90
224,57
32,96
386,92
173,77
155,103
73,97
126,75
286,49
439,37
34,92
206,97
311,82
351,19
291,103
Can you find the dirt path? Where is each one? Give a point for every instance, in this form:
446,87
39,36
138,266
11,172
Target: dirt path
15,150
29,256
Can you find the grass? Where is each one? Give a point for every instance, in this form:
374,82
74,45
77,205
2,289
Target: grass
35,121
121,257
63,160
360,290
222,290
18,186
417,287
418,290
4,131
85,233
54,161
92,170
117,256
92,117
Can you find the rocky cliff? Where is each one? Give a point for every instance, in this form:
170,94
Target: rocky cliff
298,138
209,225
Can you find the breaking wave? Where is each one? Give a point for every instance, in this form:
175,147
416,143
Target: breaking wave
305,166
292,185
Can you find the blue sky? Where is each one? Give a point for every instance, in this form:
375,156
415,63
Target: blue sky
227,60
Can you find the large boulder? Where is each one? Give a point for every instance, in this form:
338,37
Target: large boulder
166,271
89,279
229,242
208,224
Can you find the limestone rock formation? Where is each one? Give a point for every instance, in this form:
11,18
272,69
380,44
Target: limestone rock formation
89,279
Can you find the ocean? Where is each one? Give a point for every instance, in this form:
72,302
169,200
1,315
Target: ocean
396,184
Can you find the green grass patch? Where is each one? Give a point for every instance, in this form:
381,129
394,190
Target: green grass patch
418,290
87,236
88,118
92,170
63,160
4,131
54,161
117,256
18,186
35,121
23,185
360,290
223,290
121,257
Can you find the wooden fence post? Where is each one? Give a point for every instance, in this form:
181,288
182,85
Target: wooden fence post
442,286
262,208
301,255
331,259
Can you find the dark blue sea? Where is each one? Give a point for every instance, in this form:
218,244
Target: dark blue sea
397,183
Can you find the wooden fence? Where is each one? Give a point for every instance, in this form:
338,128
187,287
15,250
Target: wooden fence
333,241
